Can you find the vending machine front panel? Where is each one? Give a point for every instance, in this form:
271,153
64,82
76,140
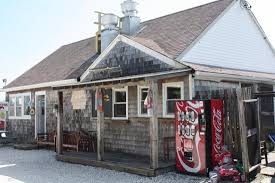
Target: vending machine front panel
190,137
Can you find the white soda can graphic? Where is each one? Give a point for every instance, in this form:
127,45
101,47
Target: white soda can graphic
179,116
182,116
182,130
192,116
187,130
193,130
187,116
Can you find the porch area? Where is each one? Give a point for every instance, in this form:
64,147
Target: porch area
123,162
128,138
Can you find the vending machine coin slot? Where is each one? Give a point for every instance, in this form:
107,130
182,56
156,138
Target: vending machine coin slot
188,156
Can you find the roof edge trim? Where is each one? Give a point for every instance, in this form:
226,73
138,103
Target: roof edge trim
40,85
204,75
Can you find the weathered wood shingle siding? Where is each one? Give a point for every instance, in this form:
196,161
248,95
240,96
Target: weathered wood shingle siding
124,60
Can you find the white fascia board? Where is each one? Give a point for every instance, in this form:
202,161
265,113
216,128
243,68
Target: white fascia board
130,77
136,45
180,57
41,85
230,77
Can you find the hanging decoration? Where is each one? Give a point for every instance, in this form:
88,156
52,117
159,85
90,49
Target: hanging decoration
99,102
148,102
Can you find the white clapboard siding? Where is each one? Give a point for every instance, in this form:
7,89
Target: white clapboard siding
235,41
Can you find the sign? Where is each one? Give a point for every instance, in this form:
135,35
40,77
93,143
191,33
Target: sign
79,99
217,130
3,113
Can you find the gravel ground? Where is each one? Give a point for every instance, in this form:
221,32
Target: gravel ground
40,166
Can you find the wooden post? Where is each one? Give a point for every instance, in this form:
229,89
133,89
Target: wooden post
154,137
258,114
191,87
274,105
243,132
100,129
59,139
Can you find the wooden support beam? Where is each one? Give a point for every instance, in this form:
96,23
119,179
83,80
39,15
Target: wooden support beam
191,86
59,139
100,127
243,132
154,137
274,104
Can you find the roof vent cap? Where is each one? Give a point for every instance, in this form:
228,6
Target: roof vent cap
129,8
109,21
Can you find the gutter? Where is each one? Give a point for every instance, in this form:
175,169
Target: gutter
128,77
218,77
40,85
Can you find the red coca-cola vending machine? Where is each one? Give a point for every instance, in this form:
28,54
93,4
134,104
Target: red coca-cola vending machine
199,135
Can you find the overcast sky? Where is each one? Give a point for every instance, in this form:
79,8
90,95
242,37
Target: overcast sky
30,30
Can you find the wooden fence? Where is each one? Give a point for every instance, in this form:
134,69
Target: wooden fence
242,129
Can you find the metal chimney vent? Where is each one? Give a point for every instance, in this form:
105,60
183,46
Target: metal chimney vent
130,22
110,31
129,8
109,21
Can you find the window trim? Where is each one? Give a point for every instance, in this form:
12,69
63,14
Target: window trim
164,96
139,88
23,105
114,90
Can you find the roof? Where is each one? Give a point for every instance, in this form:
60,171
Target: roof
173,33
65,63
169,35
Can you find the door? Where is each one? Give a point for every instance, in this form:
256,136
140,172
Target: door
40,114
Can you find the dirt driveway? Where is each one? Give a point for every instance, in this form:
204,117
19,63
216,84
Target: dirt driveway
40,166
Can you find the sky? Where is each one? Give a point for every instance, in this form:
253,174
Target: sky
30,30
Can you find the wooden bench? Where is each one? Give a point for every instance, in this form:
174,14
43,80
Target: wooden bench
46,139
71,140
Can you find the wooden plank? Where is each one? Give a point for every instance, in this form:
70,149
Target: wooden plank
250,101
274,104
59,139
100,130
243,132
154,136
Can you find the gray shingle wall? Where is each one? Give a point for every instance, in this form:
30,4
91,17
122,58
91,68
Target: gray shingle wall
22,129
124,60
131,136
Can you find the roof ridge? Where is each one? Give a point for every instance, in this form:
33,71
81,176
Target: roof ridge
192,8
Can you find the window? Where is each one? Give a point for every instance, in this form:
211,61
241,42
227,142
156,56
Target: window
12,106
27,105
142,94
120,103
172,92
20,106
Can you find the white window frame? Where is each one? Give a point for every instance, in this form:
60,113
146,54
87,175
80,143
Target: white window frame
23,105
139,101
164,96
114,90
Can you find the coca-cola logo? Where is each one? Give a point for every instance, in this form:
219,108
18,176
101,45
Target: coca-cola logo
217,124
